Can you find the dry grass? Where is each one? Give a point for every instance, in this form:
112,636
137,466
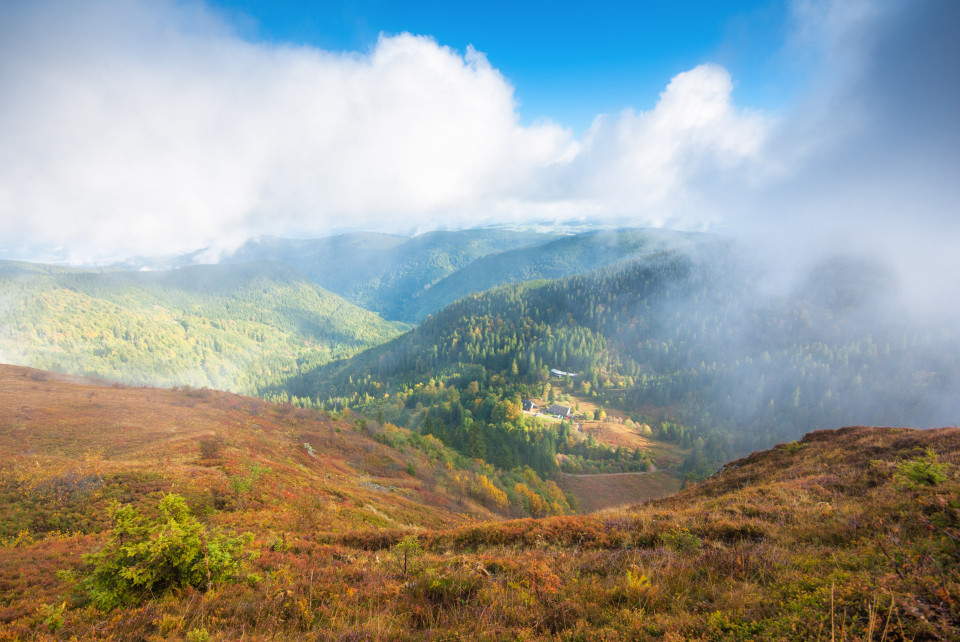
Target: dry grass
50,429
616,433
596,492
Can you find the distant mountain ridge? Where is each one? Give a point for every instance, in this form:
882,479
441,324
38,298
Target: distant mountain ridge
554,259
380,272
287,293
408,278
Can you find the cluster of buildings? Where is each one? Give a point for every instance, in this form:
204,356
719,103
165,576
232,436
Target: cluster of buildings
560,412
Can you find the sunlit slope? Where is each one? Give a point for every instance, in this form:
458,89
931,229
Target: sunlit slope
850,534
846,534
233,327
70,445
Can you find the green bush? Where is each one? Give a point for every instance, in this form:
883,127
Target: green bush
681,541
792,447
145,558
408,551
923,471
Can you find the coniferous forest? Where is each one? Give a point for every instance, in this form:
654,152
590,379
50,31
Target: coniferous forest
681,343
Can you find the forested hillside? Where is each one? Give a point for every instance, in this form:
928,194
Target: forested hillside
237,327
566,256
682,342
381,272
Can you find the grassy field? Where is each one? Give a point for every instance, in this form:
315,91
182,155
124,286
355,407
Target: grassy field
616,433
596,492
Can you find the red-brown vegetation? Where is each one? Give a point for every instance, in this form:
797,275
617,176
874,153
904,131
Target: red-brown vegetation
848,535
616,489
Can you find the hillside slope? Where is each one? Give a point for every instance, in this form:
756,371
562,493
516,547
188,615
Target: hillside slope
233,327
69,443
681,341
555,259
848,534
381,272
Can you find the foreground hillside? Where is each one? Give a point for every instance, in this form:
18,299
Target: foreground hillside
848,534
235,327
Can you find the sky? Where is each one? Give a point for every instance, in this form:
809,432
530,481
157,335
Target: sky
567,61
155,127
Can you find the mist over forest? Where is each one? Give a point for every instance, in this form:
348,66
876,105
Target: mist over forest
691,334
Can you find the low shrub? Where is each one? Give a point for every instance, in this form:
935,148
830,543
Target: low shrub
922,471
146,557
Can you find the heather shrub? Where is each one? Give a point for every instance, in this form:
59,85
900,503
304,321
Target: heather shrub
210,447
681,541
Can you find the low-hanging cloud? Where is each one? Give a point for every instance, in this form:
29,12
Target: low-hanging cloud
866,163
152,127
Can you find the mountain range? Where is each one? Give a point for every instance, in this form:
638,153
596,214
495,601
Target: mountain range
232,327
407,278
485,433
672,330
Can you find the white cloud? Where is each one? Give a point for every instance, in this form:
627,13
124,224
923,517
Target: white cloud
650,164
150,127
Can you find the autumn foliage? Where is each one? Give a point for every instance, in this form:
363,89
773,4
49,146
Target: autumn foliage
847,535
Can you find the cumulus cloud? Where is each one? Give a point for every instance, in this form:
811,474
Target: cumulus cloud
151,127
132,127
648,165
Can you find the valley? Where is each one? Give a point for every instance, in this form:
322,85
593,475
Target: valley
375,321
665,333
398,460
597,491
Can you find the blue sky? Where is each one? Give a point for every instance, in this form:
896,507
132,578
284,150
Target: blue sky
568,61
